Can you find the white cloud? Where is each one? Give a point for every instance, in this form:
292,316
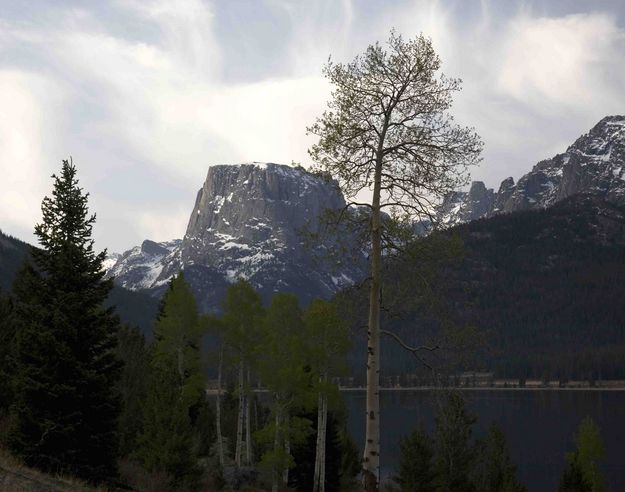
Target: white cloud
27,114
561,61
145,111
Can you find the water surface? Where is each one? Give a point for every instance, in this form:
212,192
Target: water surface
539,426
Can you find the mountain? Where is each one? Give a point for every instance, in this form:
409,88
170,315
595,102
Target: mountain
533,293
594,163
249,221
134,308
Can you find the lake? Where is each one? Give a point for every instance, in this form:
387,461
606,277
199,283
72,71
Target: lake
539,426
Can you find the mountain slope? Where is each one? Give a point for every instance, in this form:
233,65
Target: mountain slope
594,163
248,222
541,291
135,308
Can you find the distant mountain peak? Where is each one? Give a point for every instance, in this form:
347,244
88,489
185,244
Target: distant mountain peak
594,163
246,223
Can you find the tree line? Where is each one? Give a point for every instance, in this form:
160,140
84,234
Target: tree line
85,396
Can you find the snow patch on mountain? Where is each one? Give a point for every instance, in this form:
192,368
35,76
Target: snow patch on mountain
247,223
592,164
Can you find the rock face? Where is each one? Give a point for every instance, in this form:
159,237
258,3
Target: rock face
465,206
595,163
248,222
142,266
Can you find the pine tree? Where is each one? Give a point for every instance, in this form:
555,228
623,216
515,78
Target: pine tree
494,470
7,333
453,454
65,408
169,442
573,477
416,473
582,473
133,384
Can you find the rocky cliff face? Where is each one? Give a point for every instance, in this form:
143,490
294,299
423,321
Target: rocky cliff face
594,163
247,222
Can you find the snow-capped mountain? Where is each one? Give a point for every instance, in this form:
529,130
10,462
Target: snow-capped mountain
595,164
142,266
247,222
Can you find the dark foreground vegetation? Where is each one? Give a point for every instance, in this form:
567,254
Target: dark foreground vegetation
84,396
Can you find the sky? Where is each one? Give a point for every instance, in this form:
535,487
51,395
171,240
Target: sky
145,95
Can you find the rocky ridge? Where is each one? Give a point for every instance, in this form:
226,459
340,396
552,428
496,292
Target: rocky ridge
594,163
248,222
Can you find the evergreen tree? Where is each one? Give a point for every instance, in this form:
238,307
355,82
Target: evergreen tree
175,392
167,443
453,454
177,335
7,333
416,472
573,477
494,470
582,472
65,409
133,384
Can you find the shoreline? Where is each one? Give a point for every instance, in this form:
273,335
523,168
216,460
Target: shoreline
213,392
489,388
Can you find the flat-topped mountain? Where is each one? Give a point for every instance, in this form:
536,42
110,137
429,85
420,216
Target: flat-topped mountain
594,163
248,221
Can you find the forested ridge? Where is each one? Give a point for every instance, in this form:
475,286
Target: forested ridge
529,294
542,289
135,308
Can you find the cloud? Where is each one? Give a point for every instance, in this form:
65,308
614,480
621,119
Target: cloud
141,94
136,108
27,113
561,61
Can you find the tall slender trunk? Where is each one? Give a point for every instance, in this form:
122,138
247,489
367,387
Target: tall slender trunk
324,433
371,457
248,427
318,448
320,456
287,447
220,442
239,445
276,445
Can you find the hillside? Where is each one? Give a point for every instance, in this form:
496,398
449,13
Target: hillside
534,293
135,308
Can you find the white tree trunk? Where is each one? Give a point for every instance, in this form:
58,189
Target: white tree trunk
322,426
324,431
239,445
220,442
318,448
371,457
276,445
